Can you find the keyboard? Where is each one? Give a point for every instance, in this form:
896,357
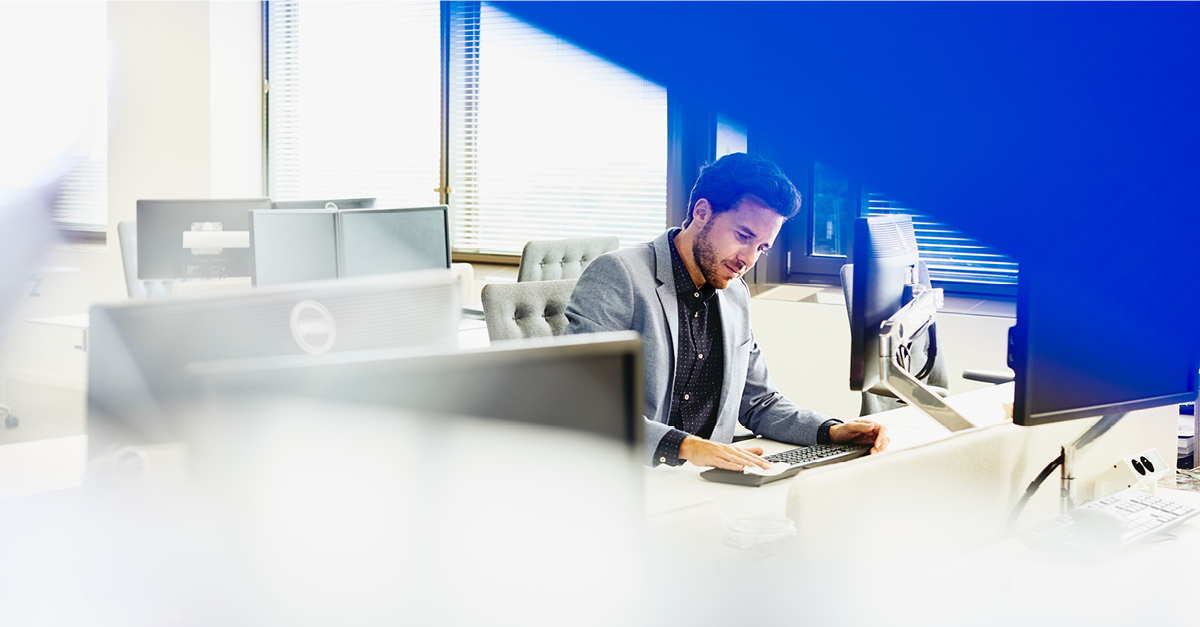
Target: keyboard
797,459
1103,527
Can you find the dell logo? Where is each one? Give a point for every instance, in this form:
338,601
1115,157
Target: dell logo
313,327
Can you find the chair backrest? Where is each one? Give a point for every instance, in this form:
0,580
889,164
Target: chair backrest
127,234
551,260
515,311
939,376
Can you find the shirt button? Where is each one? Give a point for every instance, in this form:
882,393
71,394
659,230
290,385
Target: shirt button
697,294
687,397
700,355
662,460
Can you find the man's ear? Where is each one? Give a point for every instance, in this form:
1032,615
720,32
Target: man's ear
702,211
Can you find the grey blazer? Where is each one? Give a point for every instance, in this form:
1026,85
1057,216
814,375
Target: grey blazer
633,289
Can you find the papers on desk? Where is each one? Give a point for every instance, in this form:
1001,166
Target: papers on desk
775,469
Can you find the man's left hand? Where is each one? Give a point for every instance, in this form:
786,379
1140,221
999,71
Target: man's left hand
861,432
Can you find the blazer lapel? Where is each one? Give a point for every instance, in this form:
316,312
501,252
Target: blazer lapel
729,342
666,290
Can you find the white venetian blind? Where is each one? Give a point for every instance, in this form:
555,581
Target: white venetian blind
354,106
951,256
61,75
547,140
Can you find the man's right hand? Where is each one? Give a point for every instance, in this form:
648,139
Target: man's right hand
701,452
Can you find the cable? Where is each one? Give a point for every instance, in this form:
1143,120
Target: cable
1029,492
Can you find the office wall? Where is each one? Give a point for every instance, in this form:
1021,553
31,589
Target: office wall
807,346
185,120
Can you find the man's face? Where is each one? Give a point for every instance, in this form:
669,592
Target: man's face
730,242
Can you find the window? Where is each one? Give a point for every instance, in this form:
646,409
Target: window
547,140
953,258
354,101
55,71
822,245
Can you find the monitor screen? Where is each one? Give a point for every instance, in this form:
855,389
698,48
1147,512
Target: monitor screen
1087,346
377,241
333,203
885,260
289,246
195,239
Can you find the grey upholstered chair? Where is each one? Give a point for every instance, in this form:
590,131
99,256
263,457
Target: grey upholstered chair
551,260
515,311
938,379
127,234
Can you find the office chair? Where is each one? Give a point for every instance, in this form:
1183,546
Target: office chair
515,311
127,234
551,260
938,378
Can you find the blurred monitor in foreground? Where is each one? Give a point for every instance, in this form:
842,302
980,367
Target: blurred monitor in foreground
376,241
139,350
335,204
588,383
195,239
292,245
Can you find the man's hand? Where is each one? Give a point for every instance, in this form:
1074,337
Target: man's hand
860,432
701,452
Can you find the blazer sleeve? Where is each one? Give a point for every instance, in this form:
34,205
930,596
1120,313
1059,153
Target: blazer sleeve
603,300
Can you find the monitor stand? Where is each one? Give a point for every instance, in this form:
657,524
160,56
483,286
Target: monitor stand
896,335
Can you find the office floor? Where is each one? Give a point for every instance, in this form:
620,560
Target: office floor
44,411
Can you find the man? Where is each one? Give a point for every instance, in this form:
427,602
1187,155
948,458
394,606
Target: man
684,293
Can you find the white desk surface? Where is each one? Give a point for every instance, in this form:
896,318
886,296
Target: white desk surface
668,489
74,321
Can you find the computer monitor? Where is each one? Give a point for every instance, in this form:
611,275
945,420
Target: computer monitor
335,204
590,383
1088,347
375,241
293,245
195,239
139,350
885,262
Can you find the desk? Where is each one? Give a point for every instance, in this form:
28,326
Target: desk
669,489
74,321
999,584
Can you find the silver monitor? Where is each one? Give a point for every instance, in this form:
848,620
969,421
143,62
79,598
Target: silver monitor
590,383
334,203
195,239
375,241
139,350
293,245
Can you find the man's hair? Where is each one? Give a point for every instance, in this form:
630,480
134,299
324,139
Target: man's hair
729,179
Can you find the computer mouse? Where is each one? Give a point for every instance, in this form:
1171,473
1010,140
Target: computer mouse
1098,528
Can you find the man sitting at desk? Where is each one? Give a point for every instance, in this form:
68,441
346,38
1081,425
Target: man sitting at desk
684,293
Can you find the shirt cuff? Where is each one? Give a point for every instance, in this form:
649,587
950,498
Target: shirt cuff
668,448
823,430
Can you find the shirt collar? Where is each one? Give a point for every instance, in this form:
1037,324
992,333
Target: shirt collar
685,287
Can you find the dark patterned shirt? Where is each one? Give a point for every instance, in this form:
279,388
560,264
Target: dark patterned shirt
699,362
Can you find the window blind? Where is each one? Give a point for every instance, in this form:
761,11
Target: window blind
951,256
354,101
548,141
72,45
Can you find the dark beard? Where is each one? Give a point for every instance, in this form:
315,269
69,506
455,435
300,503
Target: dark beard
706,258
